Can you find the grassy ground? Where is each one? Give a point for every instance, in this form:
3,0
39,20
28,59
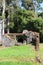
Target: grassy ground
20,55
18,63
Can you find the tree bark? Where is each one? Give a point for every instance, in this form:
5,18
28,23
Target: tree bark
8,26
3,14
3,7
8,21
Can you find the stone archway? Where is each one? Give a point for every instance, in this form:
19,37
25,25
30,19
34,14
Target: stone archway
32,37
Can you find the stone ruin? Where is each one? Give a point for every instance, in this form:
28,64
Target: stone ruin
28,37
32,37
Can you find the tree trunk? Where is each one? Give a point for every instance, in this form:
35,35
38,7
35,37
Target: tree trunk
8,21
3,7
3,27
8,27
3,14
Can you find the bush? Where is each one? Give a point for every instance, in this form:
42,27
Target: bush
41,35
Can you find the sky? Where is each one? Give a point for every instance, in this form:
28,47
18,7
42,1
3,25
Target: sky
40,10
41,4
20,2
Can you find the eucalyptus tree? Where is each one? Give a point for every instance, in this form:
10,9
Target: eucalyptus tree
11,5
3,6
3,13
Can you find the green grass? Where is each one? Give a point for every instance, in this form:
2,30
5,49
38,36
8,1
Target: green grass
18,63
19,55
17,52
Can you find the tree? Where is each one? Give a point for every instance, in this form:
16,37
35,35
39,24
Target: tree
21,19
3,4
28,4
11,6
32,5
40,14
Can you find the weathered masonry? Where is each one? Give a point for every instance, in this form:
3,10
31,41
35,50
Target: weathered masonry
11,38
25,37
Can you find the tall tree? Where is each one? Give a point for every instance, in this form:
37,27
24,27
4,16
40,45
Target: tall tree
3,13
11,5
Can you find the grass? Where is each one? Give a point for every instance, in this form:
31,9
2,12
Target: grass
19,55
17,52
18,63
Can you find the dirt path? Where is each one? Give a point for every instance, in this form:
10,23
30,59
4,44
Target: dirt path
17,60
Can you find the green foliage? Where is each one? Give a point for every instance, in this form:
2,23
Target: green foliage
41,35
28,4
11,17
8,1
24,19
21,19
40,14
38,23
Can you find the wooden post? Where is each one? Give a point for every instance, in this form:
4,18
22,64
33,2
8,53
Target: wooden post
37,42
